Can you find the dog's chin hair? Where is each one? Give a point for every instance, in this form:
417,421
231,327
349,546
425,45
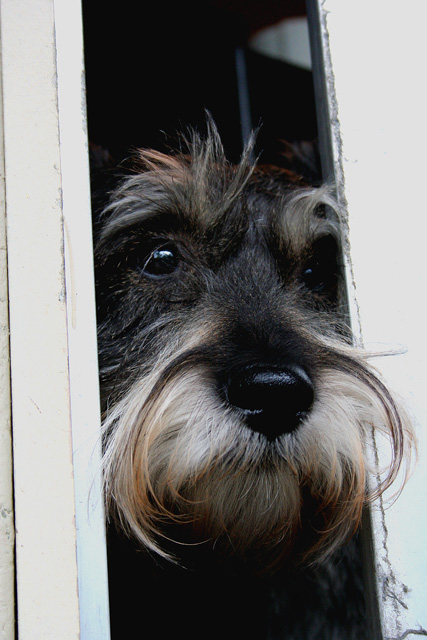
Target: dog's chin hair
176,455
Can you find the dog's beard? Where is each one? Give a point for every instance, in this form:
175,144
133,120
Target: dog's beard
178,459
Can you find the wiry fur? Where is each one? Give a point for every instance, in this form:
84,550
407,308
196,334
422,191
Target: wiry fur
176,453
180,461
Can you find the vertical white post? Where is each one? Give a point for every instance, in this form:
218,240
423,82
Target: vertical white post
60,542
373,56
83,355
43,474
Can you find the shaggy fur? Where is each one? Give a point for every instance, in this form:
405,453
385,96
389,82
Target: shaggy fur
237,411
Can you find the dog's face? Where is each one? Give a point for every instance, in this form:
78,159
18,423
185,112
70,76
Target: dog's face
237,412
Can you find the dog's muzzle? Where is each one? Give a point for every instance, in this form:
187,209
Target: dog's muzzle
273,401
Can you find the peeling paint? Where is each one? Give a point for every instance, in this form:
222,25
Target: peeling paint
7,524
408,633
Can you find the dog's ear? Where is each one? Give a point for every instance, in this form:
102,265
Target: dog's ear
271,178
104,177
303,159
100,158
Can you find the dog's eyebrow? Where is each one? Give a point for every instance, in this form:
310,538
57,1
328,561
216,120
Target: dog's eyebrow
141,200
307,214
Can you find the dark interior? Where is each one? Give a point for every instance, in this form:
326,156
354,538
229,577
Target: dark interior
153,69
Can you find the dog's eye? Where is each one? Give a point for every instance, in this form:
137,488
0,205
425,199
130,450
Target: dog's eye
320,273
315,278
161,262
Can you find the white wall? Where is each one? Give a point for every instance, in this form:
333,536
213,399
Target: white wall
376,69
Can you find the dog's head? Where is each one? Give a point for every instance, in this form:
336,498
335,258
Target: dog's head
237,412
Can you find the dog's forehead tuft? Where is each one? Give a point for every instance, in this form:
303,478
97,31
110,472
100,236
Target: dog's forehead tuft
196,189
202,189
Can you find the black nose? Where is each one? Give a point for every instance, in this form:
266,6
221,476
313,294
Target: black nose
273,400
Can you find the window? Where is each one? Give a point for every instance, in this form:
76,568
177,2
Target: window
150,73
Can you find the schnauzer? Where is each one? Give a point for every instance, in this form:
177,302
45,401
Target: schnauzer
237,410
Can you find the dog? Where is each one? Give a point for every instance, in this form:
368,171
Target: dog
237,411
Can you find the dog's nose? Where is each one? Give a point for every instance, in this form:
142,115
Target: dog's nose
273,400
